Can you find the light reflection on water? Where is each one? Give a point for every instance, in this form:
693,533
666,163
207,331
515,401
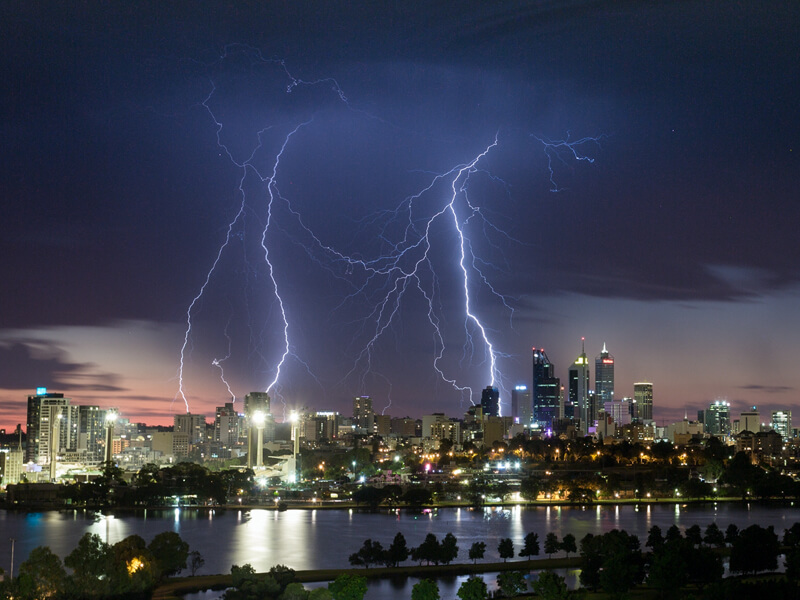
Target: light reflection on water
310,539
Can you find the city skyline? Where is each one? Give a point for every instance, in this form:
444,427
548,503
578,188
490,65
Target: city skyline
132,143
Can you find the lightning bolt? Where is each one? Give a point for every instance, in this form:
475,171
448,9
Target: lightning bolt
407,262
555,148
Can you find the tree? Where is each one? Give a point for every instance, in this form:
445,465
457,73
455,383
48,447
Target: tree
506,549
417,497
42,575
476,551
704,566
549,586
196,562
568,544
348,587
425,590
551,545
511,583
429,550
668,571
369,495
448,551
755,549
320,594
673,534
473,588
530,547
731,533
694,535
530,488
92,564
397,552
294,591
714,536
654,538
170,552
792,564
370,553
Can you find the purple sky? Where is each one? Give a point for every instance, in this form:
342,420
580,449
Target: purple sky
140,139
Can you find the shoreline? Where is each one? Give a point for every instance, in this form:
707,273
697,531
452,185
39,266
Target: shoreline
349,505
175,588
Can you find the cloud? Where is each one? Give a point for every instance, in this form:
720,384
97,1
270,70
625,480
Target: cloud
28,364
767,389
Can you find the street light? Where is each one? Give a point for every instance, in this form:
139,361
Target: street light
111,417
258,419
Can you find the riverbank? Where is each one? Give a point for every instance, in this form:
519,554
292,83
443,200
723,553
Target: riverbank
349,505
177,587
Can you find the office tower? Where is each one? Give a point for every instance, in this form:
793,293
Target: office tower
546,390
619,411
91,432
718,418
522,405
578,393
782,423
226,426
750,420
363,415
43,425
604,376
642,407
193,425
490,401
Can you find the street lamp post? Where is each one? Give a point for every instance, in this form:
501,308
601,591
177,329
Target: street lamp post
111,417
258,419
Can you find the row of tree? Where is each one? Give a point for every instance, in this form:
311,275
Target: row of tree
432,551
128,569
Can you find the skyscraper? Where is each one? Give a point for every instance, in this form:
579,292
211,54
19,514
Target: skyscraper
604,376
579,384
782,423
642,408
546,390
522,405
43,413
718,418
363,415
490,401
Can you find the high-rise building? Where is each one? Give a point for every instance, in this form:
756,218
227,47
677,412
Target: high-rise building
91,433
718,418
226,426
546,390
44,425
604,376
642,407
782,423
363,415
193,425
578,393
490,401
619,411
750,420
522,405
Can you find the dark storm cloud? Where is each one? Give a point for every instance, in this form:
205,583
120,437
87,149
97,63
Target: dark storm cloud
40,363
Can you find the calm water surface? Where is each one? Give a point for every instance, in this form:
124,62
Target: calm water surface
311,539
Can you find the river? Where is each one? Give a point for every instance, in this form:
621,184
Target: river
313,539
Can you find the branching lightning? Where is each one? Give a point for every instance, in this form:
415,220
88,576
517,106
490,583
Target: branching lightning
554,149
438,220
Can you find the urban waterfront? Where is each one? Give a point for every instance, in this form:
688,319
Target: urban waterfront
322,539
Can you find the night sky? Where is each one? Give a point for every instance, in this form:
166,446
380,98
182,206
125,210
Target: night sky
146,142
